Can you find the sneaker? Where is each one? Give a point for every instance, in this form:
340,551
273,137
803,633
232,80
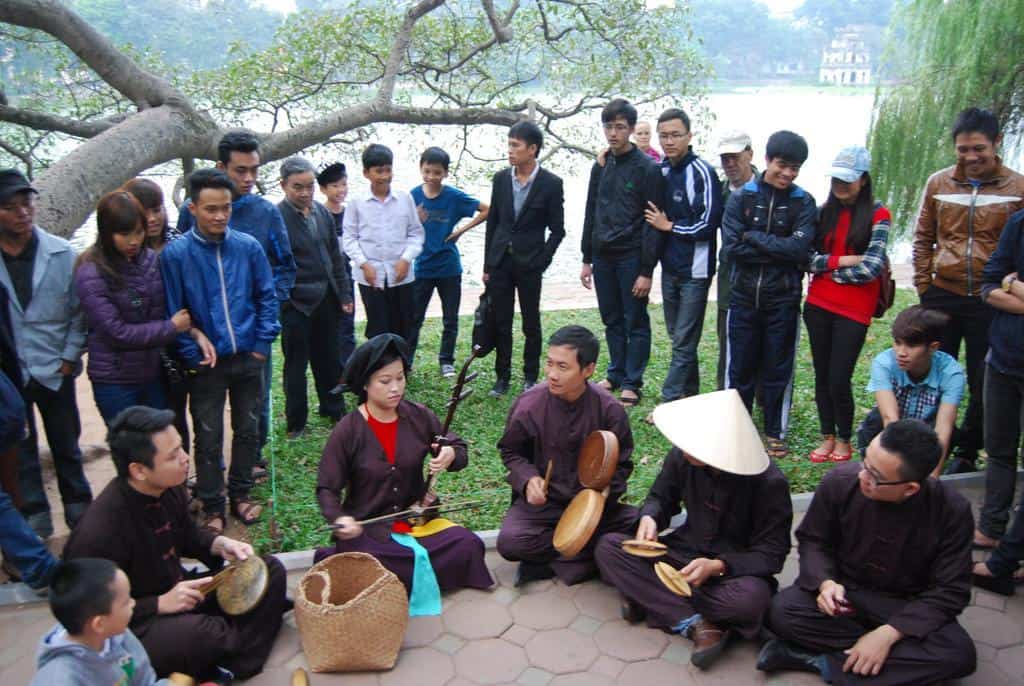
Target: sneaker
499,389
41,524
447,370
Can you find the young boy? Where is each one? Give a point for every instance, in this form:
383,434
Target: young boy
915,380
440,208
382,236
333,182
768,230
91,598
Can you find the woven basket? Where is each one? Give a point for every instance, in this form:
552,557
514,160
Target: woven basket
351,613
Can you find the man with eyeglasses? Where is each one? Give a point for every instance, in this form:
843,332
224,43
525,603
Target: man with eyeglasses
885,569
618,250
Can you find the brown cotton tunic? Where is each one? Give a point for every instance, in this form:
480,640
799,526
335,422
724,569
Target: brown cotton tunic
541,428
354,462
919,549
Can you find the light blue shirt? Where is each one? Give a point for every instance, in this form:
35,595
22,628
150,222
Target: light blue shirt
382,232
521,190
944,383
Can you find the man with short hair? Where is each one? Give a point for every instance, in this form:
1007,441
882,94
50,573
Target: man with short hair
768,232
685,244
309,318
963,210
618,249
222,277
547,425
735,153
527,201
885,568
238,156
141,522
49,334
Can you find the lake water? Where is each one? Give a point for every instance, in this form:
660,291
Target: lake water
829,120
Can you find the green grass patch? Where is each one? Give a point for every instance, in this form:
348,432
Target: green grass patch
480,420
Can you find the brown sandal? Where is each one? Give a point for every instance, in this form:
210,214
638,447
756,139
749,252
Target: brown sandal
246,511
214,521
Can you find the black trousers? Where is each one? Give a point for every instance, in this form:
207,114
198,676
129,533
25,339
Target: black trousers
836,343
504,282
1004,399
969,320
390,310
311,340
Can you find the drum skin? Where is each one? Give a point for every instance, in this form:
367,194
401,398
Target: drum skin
578,522
597,460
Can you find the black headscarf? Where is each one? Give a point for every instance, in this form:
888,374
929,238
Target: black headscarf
371,356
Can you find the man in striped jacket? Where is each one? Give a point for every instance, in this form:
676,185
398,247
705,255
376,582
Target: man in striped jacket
685,242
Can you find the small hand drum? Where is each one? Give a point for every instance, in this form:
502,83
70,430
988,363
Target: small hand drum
240,587
641,548
597,459
672,579
578,522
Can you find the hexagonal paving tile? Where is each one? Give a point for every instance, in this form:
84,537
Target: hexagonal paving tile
419,666
991,627
581,679
561,651
1011,660
607,666
422,631
598,601
548,610
518,635
477,619
491,661
987,674
653,673
630,643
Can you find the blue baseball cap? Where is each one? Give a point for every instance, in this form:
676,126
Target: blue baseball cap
850,164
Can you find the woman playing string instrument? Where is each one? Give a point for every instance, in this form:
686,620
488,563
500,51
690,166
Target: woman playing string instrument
375,456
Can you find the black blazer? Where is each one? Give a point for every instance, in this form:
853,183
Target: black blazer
544,208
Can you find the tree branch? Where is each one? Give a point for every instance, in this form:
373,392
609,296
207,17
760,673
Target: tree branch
14,152
51,122
396,55
123,74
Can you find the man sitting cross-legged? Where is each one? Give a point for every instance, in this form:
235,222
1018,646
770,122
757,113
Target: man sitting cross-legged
885,568
141,522
736,534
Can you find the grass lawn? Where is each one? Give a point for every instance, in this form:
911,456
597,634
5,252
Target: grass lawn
480,420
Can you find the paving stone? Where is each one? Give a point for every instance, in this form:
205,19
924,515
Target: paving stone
491,661
421,666
534,677
422,631
985,652
505,596
655,673
994,628
561,651
678,651
607,666
477,619
792,679
459,681
541,586
465,595
987,674
1011,660
447,643
547,610
598,601
504,572
518,635
989,600
287,645
582,679
630,643
585,625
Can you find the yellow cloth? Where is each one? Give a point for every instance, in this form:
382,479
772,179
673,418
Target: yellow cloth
434,526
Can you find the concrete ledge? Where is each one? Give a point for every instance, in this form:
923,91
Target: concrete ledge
20,594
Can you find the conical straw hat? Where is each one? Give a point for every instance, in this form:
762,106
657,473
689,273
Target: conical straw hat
716,429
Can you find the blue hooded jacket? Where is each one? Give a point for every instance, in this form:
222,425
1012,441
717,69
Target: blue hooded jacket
228,289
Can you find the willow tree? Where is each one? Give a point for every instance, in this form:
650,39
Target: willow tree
946,55
107,113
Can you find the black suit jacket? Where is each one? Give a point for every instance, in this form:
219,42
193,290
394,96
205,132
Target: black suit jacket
318,260
544,208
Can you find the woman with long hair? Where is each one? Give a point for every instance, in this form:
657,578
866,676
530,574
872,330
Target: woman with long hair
850,244
122,296
159,231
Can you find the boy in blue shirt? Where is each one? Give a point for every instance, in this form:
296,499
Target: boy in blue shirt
915,380
438,267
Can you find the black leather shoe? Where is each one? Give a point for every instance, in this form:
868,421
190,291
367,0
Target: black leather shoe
529,383
960,465
499,389
630,611
777,655
532,571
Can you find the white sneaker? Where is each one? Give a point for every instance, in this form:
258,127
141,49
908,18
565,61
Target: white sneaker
447,370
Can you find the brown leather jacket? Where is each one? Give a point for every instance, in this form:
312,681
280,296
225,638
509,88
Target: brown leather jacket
958,227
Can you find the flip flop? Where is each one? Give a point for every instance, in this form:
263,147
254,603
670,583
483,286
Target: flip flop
776,448
243,511
628,401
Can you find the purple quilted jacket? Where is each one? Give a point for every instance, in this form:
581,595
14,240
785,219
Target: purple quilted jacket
128,323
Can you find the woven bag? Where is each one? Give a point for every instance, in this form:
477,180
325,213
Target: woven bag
351,613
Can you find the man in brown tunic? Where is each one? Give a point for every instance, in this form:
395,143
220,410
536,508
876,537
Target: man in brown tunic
549,423
885,568
736,534
141,523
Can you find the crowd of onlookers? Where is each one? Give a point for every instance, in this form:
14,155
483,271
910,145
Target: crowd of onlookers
186,318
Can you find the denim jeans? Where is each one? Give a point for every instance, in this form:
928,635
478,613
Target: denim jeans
111,398
22,547
1004,402
239,377
685,300
449,289
63,427
627,328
